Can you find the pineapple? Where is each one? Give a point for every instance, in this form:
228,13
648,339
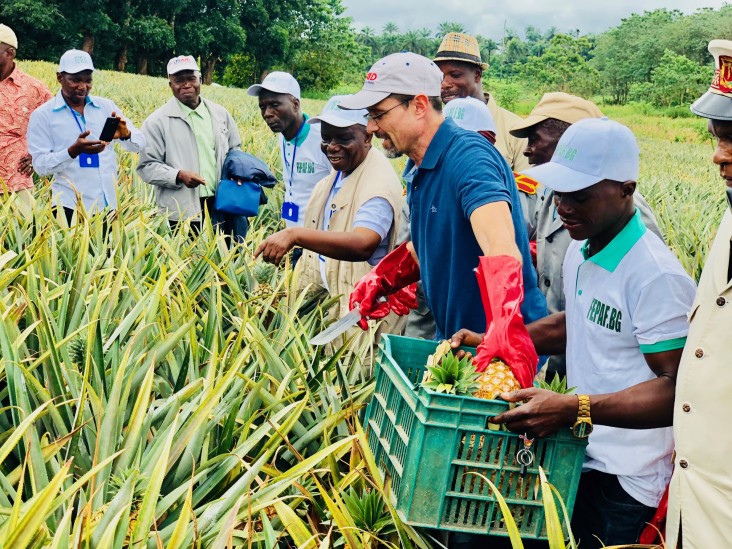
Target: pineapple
77,350
263,274
496,379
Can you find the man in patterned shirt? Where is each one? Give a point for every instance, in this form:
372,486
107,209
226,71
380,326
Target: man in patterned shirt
20,95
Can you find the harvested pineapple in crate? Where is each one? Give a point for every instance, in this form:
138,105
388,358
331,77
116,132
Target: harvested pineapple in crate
435,445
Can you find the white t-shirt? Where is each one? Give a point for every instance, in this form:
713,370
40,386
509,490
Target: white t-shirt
629,299
310,166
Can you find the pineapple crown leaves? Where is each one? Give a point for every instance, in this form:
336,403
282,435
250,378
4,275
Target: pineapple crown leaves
558,384
452,375
368,511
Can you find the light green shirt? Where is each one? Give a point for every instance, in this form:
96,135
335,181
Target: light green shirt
200,121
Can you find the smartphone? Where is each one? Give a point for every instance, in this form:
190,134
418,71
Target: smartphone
109,129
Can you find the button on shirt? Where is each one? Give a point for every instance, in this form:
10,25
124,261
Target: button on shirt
629,299
310,166
200,121
52,130
20,95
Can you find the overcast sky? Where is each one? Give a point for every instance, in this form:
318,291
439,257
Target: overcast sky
487,17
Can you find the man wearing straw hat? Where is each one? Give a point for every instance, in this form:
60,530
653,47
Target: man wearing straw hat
462,67
699,511
20,95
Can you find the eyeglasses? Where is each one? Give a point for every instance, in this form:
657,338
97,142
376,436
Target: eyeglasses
375,118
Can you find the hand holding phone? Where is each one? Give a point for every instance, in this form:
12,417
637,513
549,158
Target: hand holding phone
109,129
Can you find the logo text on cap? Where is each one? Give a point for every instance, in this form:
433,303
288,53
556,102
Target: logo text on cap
370,77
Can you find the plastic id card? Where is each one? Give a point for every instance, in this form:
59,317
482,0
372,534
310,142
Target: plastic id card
290,211
88,160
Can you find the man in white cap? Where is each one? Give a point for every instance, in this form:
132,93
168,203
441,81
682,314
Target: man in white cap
460,62
699,510
63,139
623,332
544,126
20,95
459,210
350,222
303,161
188,139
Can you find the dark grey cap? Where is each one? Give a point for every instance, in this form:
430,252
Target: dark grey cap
713,105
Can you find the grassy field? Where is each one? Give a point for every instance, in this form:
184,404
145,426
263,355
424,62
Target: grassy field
153,394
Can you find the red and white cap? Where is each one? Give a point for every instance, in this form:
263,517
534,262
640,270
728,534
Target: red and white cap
182,63
404,73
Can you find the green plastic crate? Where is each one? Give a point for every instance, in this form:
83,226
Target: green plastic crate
426,442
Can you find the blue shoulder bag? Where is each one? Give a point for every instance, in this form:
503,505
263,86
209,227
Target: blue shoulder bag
237,198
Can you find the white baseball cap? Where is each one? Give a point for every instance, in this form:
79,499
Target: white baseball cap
339,117
7,36
182,63
74,61
277,82
471,114
404,73
590,151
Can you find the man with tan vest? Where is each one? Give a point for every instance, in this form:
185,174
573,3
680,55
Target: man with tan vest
350,222
699,510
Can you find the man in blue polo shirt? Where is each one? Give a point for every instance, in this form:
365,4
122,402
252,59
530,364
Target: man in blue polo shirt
462,197
624,328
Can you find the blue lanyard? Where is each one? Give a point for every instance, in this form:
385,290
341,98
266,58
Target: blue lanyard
76,118
294,154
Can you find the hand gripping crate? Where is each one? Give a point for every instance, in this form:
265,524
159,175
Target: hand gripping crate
428,444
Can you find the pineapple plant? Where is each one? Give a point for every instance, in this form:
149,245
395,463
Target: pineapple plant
558,384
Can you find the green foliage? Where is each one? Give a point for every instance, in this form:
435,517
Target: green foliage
564,67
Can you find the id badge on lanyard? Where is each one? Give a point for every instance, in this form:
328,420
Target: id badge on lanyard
85,160
290,210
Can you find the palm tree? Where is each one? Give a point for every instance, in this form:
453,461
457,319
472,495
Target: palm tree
449,26
390,28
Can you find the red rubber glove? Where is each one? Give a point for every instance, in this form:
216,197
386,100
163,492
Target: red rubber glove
391,278
532,250
502,292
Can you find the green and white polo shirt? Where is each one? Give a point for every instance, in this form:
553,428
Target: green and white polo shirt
310,166
629,299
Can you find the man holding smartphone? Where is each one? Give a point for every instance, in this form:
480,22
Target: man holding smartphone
63,139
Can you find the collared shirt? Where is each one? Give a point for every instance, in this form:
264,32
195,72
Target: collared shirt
200,121
20,95
629,299
53,129
444,193
303,165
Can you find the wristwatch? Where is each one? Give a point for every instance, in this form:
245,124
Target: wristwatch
583,426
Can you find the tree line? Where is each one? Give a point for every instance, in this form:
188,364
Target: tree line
658,56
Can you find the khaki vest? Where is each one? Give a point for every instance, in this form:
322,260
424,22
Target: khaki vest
701,488
374,178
